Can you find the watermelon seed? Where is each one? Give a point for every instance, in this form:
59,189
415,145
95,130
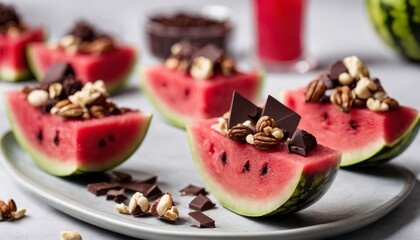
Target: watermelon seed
324,116
353,124
246,167
111,138
102,143
223,158
39,136
264,170
186,93
56,139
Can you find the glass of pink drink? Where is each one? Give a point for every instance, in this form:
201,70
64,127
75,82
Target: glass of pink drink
279,28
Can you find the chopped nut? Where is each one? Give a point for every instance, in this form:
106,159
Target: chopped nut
263,122
164,204
265,141
18,213
278,133
364,88
59,105
202,68
37,97
380,95
342,98
54,90
220,126
392,103
249,124
138,205
376,105
12,205
164,208
345,79
70,235
172,63
250,139
176,49
171,214
97,111
315,90
355,67
228,66
143,203
122,208
5,210
239,132
71,111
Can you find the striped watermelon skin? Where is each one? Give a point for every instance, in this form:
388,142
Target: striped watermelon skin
398,23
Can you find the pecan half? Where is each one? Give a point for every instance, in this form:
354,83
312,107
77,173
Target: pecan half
342,98
239,132
392,103
264,122
315,90
265,141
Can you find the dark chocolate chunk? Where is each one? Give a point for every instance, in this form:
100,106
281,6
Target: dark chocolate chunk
285,118
302,142
241,110
57,73
147,189
49,104
70,86
328,82
187,49
116,195
193,190
100,188
119,176
210,51
201,203
201,220
84,31
8,15
336,69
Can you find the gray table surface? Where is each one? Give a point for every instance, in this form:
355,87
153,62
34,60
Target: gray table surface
335,28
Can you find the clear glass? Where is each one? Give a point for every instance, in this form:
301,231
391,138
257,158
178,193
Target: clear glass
279,31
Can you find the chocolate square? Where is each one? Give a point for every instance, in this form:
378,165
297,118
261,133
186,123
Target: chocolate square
119,176
147,189
302,142
57,72
336,69
100,188
116,195
201,220
210,51
201,203
241,110
285,118
193,190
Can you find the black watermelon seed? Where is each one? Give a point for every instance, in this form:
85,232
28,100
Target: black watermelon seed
111,138
187,92
246,167
324,116
223,158
353,124
39,136
264,170
102,143
56,139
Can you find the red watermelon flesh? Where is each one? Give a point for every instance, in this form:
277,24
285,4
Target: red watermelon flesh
63,147
13,64
182,99
275,181
112,67
359,134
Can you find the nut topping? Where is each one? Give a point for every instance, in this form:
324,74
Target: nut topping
37,97
315,90
70,235
392,103
228,66
239,132
265,122
54,90
265,141
202,68
342,98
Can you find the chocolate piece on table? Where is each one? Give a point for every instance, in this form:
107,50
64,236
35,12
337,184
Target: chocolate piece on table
57,73
193,190
201,220
328,82
201,203
285,118
336,69
302,142
210,51
119,176
241,110
100,188
147,189
116,195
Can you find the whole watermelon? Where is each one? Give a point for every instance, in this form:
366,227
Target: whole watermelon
398,24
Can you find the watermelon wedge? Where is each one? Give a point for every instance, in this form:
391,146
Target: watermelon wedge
113,67
13,64
181,99
254,182
65,147
366,138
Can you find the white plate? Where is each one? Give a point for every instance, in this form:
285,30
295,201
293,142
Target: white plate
354,200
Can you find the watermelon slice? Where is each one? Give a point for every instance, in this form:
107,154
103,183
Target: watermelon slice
112,67
13,64
64,147
365,137
182,99
254,182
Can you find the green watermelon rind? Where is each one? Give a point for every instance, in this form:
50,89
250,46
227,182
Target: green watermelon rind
392,21
173,118
58,168
15,76
306,190
113,88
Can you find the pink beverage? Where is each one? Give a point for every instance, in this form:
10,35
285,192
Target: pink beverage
279,29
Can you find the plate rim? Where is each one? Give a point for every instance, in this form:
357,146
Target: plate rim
94,217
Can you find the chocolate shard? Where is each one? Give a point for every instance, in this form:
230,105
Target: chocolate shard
119,176
210,51
328,82
57,73
201,203
336,69
83,30
147,189
201,220
193,190
116,195
49,104
187,49
302,142
285,118
241,110
100,188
